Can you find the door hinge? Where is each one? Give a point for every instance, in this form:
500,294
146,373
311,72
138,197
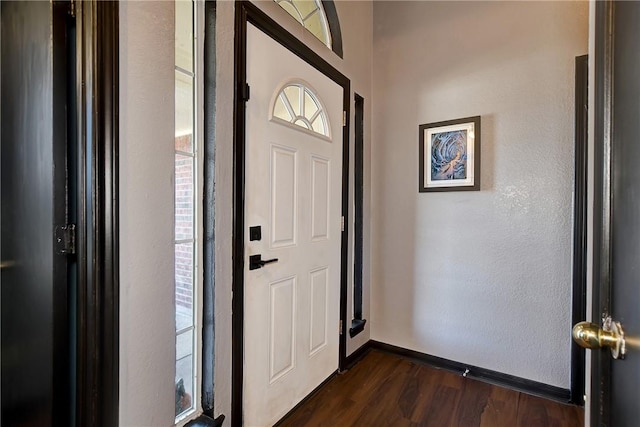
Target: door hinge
344,118
72,8
340,331
245,92
341,223
65,239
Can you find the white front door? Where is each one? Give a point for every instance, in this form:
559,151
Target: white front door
293,193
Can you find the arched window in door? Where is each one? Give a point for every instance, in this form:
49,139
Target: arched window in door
298,106
319,17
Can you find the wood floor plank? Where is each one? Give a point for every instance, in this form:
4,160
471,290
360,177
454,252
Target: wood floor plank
532,412
428,381
473,403
388,390
383,407
501,409
409,396
442,408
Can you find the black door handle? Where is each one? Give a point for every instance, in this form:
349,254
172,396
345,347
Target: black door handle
256,261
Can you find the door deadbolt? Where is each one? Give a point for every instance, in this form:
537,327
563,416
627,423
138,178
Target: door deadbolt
255,233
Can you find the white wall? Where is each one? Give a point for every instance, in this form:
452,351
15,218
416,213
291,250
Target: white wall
356,24
147,340
482,278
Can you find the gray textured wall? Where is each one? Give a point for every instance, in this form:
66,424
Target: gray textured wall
147,322
483,278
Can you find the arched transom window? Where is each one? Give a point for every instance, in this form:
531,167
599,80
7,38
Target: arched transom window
312,16
297,105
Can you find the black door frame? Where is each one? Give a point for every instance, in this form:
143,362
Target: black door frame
249,13
579,292
84,229
600,406
97,252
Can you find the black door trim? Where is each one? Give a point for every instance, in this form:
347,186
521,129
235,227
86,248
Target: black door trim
63,28
334,26
579,293
209,266
358,323
601,294
247,12
97,230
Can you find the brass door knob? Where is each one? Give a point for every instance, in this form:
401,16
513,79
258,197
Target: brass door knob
591,336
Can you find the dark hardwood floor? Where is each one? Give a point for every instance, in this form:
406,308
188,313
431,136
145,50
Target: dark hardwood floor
386,390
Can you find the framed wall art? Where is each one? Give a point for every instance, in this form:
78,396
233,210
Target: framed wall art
450,155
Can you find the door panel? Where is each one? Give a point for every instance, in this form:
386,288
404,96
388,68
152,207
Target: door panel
320,196
293,190
282,335
318,317
33,278
625,214
284,197
616,291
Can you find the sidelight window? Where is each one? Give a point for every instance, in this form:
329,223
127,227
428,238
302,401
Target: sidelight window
186,214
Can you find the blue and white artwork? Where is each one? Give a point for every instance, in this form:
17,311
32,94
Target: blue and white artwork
449,155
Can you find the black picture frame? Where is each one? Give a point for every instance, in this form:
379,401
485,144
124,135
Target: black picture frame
456,172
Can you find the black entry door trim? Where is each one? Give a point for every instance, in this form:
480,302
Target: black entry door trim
579,292
247,12
600,360
97,228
